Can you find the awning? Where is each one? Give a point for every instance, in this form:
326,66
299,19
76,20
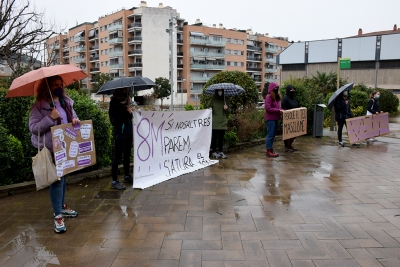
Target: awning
197,34
79,34
211,58
91,33
199,58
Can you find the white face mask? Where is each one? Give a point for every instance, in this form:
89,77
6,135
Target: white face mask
220,93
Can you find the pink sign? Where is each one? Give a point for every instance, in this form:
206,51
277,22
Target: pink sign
364,127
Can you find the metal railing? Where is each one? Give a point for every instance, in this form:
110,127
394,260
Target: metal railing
136,38
135,52
135,65
206,42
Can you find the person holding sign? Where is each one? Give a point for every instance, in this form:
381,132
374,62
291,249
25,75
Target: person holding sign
272,105
373,108
343,112
220,109
289,101
53,107
120,114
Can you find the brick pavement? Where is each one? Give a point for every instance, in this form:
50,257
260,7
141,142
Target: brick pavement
320,206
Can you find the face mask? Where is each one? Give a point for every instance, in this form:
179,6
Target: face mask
58,92
345,93
220,93
377,96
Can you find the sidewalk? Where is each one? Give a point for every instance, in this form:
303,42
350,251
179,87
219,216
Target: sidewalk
320,206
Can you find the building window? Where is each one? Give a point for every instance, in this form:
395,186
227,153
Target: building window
356,65
293,67
388,64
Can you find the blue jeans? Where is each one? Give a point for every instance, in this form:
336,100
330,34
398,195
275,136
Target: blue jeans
57,195
271,132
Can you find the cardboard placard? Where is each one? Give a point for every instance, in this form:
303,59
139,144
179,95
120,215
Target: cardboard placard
73,147
364,127
294,123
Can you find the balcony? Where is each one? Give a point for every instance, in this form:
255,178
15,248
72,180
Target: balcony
94,69
207,42
80,60
253,59
116,54
84,80
199,79
115,28
56,47
94,58
116,66
80,49
207,54
180,29
93,38
115,41
253,69
179,41
135,65
179,66
136,39
135,52
271,50
270,70
254,48
179,54
193,91
79,39
207,67
269,80
65,55
95,47
135,25
270,60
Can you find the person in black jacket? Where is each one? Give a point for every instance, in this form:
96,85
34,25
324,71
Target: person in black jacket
289,101
373,108
342,112
120,114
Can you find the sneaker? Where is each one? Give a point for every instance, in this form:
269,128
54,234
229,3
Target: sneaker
286,149
128,179
293,149
216,155
374,139
341,144
117,185
355,145
59,225
222,155
68,212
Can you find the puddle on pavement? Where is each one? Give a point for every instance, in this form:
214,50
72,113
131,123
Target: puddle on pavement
277,199
108,195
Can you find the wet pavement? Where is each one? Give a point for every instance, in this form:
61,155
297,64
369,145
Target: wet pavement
320,206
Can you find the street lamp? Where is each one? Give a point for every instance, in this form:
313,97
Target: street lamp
170,30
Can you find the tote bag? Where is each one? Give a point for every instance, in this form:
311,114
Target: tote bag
43,166
369,113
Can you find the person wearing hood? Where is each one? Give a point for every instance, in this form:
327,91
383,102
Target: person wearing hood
120,114
53,107
373,108
289,101
272,105
342,112
219,106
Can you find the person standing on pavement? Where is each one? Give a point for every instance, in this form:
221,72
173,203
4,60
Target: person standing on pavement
373,108
272,105
220,110
53,107
120,114
342,112
289,101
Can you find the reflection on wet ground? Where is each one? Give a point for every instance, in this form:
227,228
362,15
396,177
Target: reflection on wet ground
320,206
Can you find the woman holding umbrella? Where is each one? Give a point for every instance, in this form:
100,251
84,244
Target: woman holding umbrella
53,107
342,112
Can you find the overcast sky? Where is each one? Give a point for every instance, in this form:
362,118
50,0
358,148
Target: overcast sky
304,20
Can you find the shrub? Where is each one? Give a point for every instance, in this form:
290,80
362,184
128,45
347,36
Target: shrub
388,102
11,153
240,78
87,109
248,123
359,99
189,107
231,138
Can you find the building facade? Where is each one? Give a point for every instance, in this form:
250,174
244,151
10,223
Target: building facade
134,42
374,59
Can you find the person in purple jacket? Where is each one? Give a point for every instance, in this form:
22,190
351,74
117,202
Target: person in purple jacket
272,105
51,109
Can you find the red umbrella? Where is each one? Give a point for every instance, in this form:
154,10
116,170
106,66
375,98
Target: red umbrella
27,84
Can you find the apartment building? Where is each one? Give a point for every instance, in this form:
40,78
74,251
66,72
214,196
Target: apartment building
134,42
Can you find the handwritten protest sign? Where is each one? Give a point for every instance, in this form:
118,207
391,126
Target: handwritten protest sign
73,147
294,123
169,144
364,127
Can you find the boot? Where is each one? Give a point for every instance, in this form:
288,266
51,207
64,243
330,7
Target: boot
271,153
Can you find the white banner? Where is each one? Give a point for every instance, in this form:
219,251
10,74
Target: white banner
169,143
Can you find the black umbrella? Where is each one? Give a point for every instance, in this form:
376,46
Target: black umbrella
230,89
345,87
133,83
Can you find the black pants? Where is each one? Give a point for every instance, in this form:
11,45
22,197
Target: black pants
121,147
217,135
340,129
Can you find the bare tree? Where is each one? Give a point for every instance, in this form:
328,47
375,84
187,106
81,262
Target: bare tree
23,31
